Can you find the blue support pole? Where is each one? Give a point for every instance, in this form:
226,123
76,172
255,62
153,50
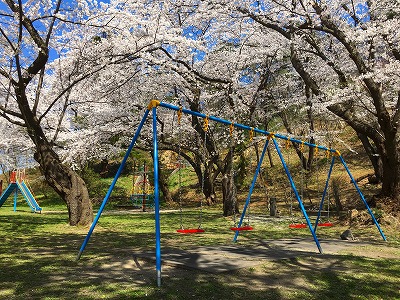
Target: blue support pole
15,199
321,205
297,195
253,183
156,199
362,196
105,200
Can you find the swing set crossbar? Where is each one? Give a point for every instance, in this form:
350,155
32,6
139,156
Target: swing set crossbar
245,127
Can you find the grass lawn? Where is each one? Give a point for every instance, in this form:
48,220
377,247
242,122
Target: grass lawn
38,252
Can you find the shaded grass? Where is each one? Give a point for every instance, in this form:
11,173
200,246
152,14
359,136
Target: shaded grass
37,261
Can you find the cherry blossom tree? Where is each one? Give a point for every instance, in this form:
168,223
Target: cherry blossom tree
347,55
51,52
246,61
108,106
26,38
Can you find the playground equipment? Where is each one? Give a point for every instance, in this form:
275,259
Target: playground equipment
235,227
142,193
17,184
182,228
271,137
327,223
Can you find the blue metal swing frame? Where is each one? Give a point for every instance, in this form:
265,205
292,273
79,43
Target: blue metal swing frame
270,137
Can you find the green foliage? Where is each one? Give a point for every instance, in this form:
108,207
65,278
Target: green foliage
240,167
96,39
98,176
188,179
378,214
98,188
93,182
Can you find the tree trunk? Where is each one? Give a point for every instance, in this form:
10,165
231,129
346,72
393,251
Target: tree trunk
381,123
336,195
272,207
67,183
391,170
230,205
229,199
296,146
374,157
61,178
385,142
71,188
164,186
207,185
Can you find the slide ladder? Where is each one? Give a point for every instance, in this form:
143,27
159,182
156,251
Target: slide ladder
9,190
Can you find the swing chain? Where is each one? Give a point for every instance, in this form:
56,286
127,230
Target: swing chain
316,150
231,129
179,168
205,169
179,115
251,134
302,146
327,154
287,144
205,125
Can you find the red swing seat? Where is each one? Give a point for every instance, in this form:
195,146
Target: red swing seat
190,230
247,227
325,224
298,225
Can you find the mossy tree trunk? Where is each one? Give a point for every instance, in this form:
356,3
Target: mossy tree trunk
67,183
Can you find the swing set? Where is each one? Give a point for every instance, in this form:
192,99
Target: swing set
325,194
182,229
270,138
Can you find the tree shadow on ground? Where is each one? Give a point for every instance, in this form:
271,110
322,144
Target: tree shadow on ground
38,265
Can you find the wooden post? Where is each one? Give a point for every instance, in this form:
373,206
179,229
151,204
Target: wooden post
272,207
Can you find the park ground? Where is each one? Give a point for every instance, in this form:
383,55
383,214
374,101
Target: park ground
38,259
38,251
